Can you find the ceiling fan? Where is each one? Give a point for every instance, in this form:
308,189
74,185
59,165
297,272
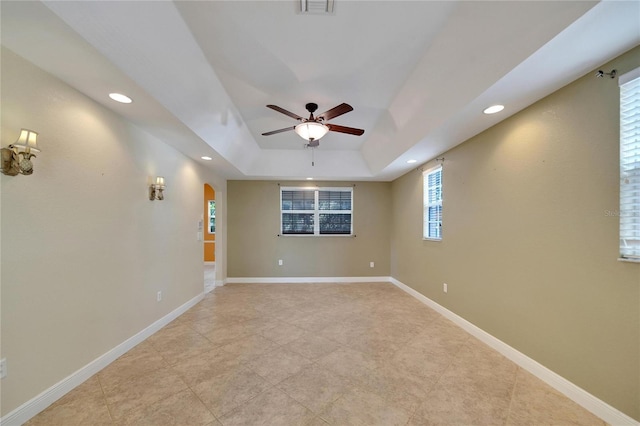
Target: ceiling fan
313,128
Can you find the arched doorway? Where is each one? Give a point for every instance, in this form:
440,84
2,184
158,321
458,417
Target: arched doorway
209,238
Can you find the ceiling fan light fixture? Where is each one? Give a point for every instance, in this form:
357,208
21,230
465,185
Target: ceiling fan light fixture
311,130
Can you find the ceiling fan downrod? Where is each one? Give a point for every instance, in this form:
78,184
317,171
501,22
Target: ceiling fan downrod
311,107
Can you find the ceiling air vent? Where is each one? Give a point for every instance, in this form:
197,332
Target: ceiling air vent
316,7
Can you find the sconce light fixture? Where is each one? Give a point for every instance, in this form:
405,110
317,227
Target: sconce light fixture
156,189
16,158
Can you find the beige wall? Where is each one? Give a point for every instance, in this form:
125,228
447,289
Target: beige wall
84,251
528,251
254,246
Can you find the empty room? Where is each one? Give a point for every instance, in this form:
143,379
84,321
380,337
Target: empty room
307,212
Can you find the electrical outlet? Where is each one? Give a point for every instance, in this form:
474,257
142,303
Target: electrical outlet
372,264
159,296
445,287
3,368
280,263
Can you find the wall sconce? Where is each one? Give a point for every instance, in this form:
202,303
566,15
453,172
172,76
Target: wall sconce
12,163
156,189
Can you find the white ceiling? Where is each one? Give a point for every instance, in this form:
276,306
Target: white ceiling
418,73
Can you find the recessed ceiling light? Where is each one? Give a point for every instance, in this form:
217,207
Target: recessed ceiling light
118,97
412,161
309,178
206,158
493,109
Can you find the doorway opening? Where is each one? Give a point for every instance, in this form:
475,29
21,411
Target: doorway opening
209,238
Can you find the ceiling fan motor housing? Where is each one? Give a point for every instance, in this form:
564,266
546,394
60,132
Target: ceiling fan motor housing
311,107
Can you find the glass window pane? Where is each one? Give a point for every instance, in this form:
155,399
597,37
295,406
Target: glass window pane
434,230
212,217
629,213
301,214
297,223
335,223
334,200
298,200
432,220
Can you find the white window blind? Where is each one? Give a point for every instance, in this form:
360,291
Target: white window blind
432,213
630,165
316,211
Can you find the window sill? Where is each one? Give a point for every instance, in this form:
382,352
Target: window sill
626,259
432,239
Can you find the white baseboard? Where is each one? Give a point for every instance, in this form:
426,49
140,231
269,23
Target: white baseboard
305,280
211,285
37,404
598,407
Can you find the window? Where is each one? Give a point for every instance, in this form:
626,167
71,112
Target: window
212,217
630,165
432,193
316,211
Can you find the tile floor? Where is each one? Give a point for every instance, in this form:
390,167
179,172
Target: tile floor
289,354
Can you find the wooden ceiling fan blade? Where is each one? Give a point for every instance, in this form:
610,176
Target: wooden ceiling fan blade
335,112
344,129
285,112
273,132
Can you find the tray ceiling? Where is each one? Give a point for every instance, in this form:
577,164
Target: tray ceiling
418,73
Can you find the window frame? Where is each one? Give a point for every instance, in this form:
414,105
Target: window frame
316,211
629,213
427,204
209,217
